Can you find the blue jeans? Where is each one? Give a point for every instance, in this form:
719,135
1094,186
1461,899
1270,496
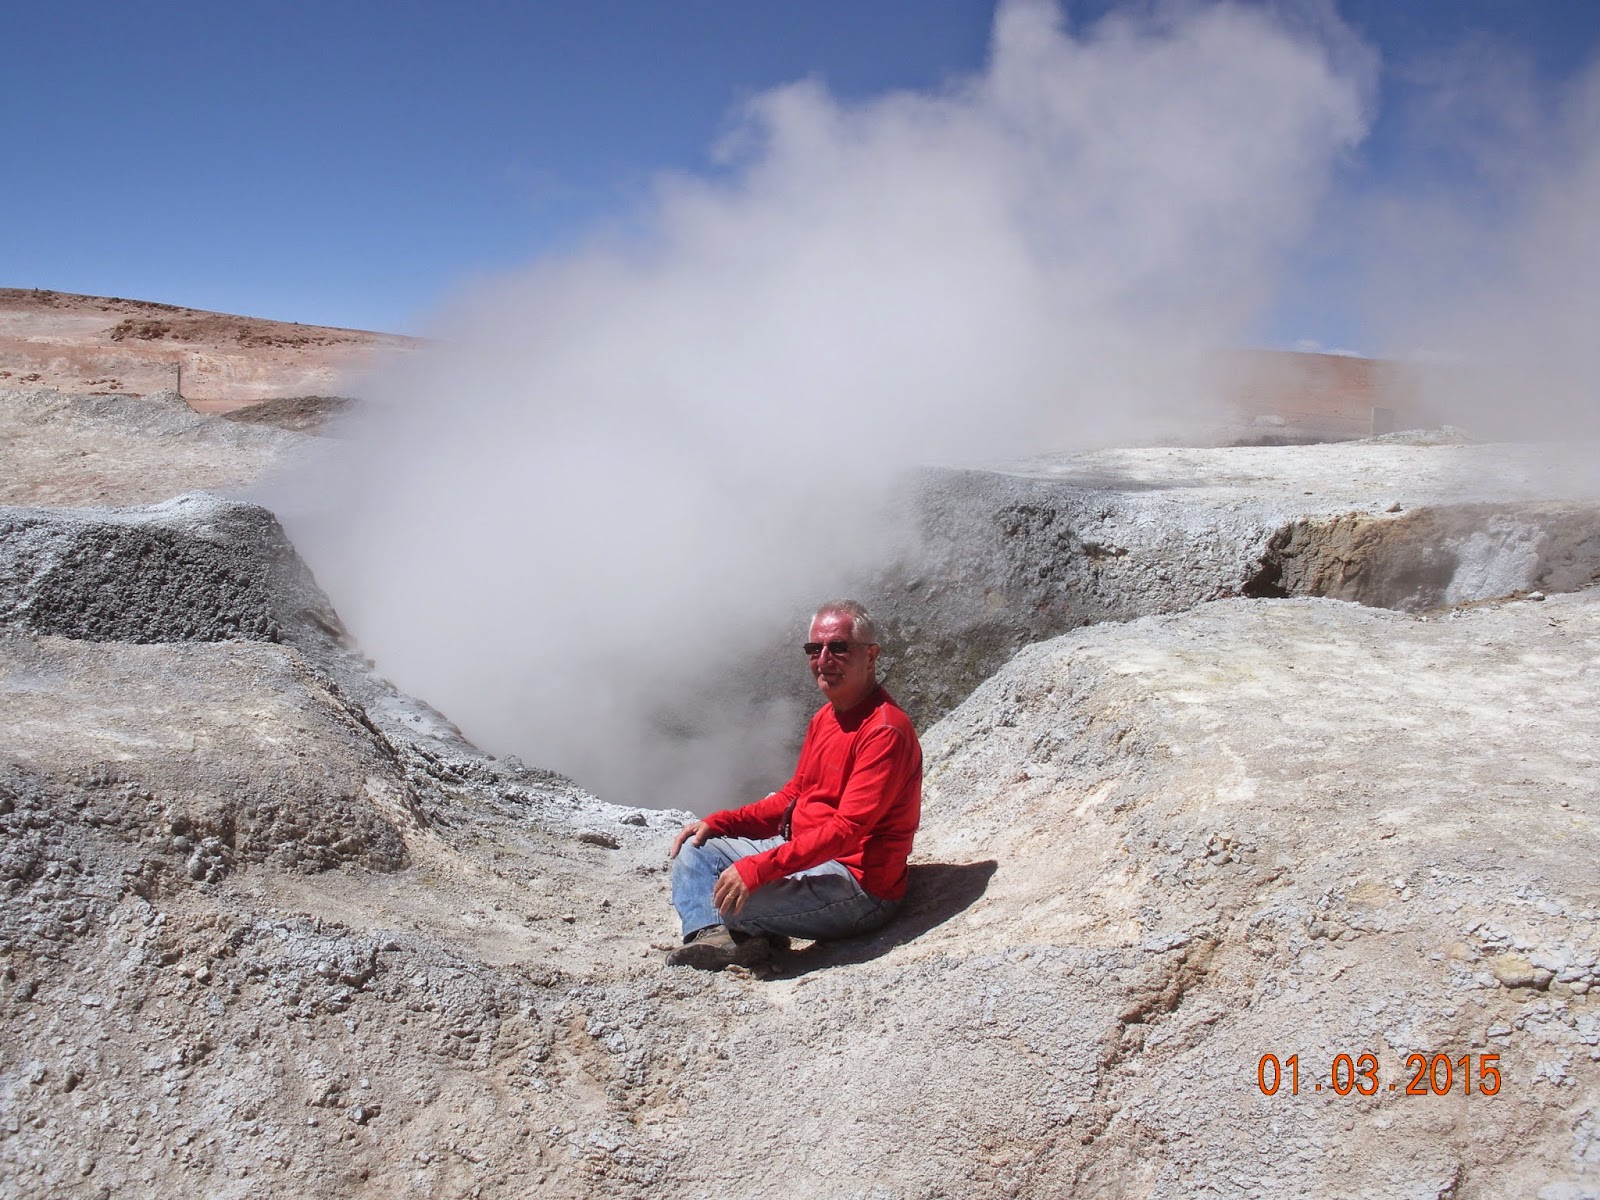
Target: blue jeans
820,903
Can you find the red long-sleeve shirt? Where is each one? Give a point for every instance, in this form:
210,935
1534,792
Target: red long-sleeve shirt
857,796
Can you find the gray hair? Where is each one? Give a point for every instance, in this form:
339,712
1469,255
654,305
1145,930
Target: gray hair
862,627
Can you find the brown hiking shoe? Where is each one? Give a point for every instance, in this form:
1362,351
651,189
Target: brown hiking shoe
714,947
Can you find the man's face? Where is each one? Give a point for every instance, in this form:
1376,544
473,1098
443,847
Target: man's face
845,679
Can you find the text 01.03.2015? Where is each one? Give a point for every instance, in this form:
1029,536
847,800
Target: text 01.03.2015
1435,1075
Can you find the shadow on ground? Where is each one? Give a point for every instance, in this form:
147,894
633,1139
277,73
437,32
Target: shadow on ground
935,892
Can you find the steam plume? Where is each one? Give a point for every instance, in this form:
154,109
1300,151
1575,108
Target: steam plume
1493,279
622,470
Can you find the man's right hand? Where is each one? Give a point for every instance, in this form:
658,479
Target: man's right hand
698,830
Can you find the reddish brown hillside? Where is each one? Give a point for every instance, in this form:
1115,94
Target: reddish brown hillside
1315,397
109,345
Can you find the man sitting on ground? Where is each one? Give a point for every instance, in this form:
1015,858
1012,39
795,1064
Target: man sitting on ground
824,857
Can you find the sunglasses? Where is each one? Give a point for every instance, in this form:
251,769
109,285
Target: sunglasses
836,648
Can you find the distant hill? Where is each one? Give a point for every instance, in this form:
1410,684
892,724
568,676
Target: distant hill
1290,396
110,346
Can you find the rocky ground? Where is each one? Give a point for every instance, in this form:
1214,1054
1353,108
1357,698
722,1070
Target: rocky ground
1031,549
272,928
74,450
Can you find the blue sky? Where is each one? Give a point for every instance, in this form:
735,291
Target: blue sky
358,163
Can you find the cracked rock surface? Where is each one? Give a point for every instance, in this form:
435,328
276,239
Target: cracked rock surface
1331,830
271,927
1033,549
1147,862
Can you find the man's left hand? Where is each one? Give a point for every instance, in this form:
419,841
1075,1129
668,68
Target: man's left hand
730,893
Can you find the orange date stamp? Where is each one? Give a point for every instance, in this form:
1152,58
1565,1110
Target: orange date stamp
1436,1075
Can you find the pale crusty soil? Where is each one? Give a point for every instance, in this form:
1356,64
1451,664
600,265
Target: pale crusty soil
71,451
1146,862
272,928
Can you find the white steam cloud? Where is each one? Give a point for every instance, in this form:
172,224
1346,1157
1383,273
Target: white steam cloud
1491,278
621,471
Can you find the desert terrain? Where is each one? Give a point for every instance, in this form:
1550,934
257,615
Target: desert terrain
1231,751
284,373
100,345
